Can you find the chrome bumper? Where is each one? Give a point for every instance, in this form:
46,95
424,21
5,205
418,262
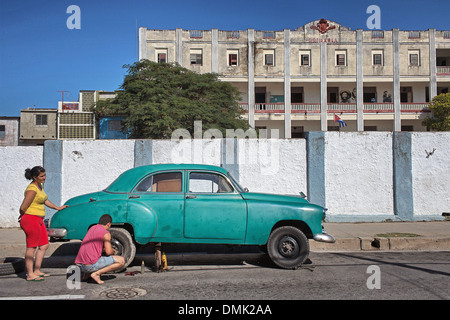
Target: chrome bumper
56,232
324,237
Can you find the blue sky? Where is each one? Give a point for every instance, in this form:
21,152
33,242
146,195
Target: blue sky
39,55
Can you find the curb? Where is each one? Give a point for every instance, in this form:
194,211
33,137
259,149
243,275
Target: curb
383,244
342,244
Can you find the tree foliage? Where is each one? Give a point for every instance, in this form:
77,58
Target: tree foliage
158,98
440,108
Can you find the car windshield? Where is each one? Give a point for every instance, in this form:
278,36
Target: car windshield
236,184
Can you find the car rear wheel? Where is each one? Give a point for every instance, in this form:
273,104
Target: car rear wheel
288,247
123,245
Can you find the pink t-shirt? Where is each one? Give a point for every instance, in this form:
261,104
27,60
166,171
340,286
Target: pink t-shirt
92,245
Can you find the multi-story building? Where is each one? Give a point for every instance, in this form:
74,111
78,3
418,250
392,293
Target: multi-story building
298,80
76,119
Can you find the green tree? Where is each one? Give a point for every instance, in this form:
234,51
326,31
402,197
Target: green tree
158,98
440,108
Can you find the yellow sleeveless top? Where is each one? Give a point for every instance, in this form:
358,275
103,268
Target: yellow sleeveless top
37,207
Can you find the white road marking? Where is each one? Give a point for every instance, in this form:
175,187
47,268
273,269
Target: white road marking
58,297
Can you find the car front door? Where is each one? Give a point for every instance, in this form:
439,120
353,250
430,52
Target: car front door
213,208
156,207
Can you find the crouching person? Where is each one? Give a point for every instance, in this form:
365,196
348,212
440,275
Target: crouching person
90,258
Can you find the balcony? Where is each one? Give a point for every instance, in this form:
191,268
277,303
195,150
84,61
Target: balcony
382,107
443,71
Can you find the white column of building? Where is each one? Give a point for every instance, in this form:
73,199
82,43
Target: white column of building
215,51
287,83
179,46
142,43
396,88
323,87
432,46
359,82
251,78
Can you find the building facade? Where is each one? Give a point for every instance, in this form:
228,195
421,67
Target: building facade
37,125
9,131
76,119
298,80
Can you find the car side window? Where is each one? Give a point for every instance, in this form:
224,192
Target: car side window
208,183
161,182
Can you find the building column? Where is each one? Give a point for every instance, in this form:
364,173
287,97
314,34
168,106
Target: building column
53,156
142,43
396,88
432,46
403,180
251,77
323,87
315,173
179,46
287,83
359,82
215,51
143,152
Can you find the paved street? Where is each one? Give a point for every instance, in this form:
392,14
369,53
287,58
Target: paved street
340,275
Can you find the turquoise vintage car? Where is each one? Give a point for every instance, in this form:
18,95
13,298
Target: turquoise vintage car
187,203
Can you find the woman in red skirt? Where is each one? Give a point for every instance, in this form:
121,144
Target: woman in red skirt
32,213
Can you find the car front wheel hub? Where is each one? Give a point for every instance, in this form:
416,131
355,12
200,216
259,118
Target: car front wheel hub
288,247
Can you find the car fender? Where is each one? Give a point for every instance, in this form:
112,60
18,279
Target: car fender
144,221
264,215
77,219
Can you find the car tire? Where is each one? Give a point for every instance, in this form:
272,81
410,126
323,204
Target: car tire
288,247
11,266
122,243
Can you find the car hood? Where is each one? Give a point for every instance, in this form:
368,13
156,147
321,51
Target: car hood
83,198
273,197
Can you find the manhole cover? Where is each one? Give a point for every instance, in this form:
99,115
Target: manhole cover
122,293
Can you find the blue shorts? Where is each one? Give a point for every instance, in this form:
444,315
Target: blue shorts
100,264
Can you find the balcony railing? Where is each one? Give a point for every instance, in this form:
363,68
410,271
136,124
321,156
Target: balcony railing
414,107
375,107
305,107
341,107
269,107
382,107
443,70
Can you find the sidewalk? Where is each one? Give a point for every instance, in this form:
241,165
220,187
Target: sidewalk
426,236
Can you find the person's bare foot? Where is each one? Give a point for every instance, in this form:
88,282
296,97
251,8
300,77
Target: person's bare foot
96,278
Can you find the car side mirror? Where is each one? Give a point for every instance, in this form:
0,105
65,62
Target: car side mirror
302,195
245,189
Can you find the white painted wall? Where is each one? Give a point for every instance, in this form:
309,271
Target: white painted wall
358,173
431,175
90,166
13,162
273,165
358,169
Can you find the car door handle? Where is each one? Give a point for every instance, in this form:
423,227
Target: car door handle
190,197
134,197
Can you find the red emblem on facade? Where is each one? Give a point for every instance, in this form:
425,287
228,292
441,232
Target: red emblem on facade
323,26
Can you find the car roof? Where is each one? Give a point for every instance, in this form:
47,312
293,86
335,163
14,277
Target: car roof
127,180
